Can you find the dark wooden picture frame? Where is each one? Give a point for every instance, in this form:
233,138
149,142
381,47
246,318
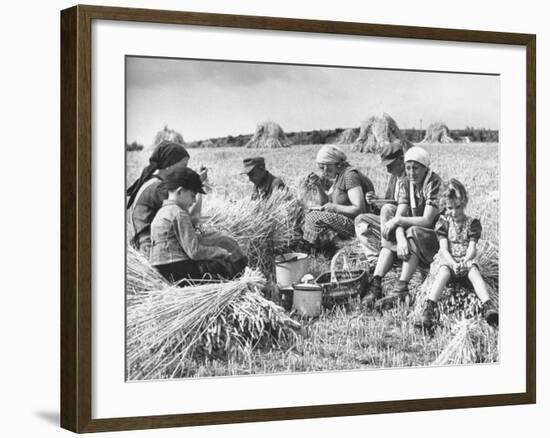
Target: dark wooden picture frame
76,218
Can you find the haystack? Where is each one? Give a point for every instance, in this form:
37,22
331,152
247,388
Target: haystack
268,135
208,144
377,132
347,137
169,135
438,132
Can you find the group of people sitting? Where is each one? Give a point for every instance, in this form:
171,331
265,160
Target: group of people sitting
411,226
165,204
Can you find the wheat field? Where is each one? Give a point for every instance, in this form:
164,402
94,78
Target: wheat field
349,336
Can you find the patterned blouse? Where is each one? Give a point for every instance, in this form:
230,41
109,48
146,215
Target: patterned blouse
459,234
349,179
427,194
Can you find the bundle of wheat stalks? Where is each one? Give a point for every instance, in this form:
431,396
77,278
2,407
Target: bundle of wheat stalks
263,228
470,337
140,275
168,328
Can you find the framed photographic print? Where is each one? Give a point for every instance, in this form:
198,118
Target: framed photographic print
268,219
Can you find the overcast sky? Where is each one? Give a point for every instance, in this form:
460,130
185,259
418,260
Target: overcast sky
204,99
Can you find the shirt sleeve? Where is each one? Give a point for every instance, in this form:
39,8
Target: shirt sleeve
187,237
474,233
351,180
442,228
432,191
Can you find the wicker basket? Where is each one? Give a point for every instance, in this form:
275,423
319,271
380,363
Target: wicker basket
341,284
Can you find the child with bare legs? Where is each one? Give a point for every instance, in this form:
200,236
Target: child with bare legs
458,235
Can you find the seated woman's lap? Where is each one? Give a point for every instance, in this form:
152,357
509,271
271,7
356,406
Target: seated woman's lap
318,223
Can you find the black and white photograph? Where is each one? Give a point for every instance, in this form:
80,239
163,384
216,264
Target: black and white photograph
275,219
287,218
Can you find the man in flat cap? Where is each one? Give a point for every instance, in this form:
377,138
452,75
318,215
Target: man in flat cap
391,156
264,182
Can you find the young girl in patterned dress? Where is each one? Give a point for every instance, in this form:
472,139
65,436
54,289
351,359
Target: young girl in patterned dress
458,235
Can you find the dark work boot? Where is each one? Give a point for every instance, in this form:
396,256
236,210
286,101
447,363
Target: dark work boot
375,292
490,313
430,316
399,294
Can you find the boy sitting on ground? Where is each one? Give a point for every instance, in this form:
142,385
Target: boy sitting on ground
179,250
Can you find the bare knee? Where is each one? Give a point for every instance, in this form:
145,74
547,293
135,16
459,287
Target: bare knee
474,272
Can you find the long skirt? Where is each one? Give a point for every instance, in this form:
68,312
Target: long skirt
322,227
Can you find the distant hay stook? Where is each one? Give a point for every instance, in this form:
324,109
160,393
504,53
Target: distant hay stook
168,135
268,135
438,132
347,137
377,132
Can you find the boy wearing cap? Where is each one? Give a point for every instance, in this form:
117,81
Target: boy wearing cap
178,250
407,230
264,182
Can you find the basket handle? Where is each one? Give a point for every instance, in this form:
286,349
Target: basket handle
345,265
333,279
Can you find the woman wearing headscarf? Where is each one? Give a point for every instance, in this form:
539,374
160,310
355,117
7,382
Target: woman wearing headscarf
146,194
407,230
340,204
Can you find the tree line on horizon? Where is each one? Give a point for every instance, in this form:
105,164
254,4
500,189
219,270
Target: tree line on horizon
327,136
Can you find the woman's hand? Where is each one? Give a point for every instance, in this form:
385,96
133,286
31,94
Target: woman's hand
370,197
388,227
403,248
314,179
329,206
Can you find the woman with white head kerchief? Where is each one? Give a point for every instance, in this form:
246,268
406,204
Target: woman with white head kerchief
341,204
407,230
